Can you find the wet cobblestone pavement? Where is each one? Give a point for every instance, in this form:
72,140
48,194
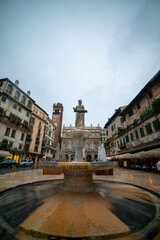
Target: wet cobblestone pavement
14,177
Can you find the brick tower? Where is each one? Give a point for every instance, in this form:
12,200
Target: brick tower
57,119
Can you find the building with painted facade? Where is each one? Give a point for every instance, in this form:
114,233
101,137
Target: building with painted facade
139,122
15,114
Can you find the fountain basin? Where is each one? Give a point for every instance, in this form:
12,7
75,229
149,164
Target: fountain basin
78,176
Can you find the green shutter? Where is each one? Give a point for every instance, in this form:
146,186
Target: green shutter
131,134
136,134
142,132
156,124
149,129
127,139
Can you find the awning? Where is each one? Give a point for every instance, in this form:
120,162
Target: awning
155,153
5,153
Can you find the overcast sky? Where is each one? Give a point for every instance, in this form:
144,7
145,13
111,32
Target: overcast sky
100,51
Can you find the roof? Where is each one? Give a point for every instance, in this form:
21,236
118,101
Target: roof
117,112
6,79
140,95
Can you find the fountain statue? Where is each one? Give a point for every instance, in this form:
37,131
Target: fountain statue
80,111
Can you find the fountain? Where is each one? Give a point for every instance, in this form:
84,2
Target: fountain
78,175
79,206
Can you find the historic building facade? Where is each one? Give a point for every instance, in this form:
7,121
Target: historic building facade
26,131
15,113
139,122
35,135
90,150
48,148
57,117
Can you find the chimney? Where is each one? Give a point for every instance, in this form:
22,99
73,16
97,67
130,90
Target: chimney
17,83
28,93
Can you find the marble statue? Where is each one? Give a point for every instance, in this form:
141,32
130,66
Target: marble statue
80,111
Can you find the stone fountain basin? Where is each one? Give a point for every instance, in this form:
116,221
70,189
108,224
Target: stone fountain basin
77,166
78,176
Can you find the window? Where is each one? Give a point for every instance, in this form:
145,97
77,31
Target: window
19,109
127,139
15,106
136,133
1,111
20,146
138,106
36,149
107,132
17,94
150,94
3,99
142,132
131,135
23,99
121,120
149,129
50,133
13,133
7,131
22,137
156,124
29,104
130,113
37,141
27,114
9,88
32,121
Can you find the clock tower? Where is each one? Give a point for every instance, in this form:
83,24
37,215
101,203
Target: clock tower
57,120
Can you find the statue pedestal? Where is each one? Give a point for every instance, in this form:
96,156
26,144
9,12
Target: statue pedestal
79,145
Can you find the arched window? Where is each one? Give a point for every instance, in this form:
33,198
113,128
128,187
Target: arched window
9,88
17,94
23,99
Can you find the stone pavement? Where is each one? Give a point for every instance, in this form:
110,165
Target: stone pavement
145,179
